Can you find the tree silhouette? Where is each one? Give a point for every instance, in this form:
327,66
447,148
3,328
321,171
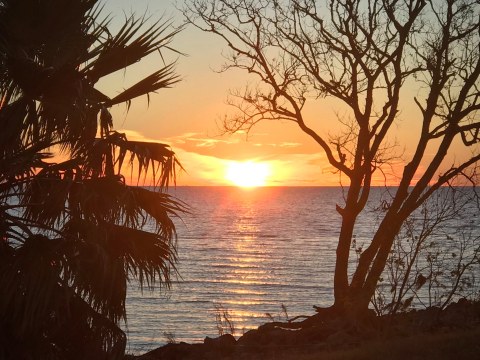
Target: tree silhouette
73,232
365,55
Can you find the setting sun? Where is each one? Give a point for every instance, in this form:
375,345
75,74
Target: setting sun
247,174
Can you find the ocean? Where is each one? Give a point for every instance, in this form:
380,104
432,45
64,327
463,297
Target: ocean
246,255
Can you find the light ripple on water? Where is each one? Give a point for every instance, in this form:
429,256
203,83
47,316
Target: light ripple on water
247,251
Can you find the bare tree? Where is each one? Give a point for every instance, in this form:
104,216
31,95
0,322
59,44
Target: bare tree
363,53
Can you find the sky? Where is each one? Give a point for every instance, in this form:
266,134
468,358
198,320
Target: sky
188,116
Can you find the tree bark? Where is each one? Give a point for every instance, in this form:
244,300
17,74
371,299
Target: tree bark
372,262
341,287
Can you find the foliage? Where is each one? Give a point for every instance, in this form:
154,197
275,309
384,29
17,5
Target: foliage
224,321
73,232
435,257
170,337
282,316
367,56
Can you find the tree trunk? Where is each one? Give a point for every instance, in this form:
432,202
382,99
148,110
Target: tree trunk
373,262
341,287
377,268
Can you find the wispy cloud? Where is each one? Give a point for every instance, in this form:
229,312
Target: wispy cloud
201,140
285,145
205,160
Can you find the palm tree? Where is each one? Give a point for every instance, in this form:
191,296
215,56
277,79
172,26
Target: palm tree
72,230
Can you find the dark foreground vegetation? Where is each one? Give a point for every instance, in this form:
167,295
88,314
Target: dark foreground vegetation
424,334
72,216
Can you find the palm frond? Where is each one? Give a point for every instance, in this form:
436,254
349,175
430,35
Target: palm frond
103,257
21,165
96,336
56,195
45,198
20,126
49,315
160,79
159,157
128,46
73,233
148,257
111,151
95,272
105,199
161,207
29,279
44,202
110,199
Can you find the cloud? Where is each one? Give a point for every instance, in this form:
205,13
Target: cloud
290,144
205,160
201,169
228,147
201,140
137,136
284,145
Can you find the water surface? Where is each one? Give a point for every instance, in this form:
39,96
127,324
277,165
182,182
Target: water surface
247,252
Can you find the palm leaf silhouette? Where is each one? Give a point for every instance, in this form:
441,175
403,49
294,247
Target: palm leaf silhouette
74,232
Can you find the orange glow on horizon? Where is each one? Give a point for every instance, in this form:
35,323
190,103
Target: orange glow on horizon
248,174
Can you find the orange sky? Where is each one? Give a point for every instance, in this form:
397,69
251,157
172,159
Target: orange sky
187,116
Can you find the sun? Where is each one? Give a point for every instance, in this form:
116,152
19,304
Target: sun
247,174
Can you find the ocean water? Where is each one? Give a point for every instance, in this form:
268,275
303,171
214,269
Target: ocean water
246,252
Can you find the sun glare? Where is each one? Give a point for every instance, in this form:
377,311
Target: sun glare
247,174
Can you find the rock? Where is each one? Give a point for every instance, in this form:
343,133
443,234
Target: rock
460,314
268,336
325,331
217,348
181,351
314,334
341,338
223,341
251,338
280,337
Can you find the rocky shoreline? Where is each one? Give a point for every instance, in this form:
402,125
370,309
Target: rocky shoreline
325,331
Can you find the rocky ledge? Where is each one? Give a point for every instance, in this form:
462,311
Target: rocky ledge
324,331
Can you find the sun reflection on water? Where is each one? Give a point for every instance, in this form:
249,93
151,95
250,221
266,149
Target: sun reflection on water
244,291
248,271
243,250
